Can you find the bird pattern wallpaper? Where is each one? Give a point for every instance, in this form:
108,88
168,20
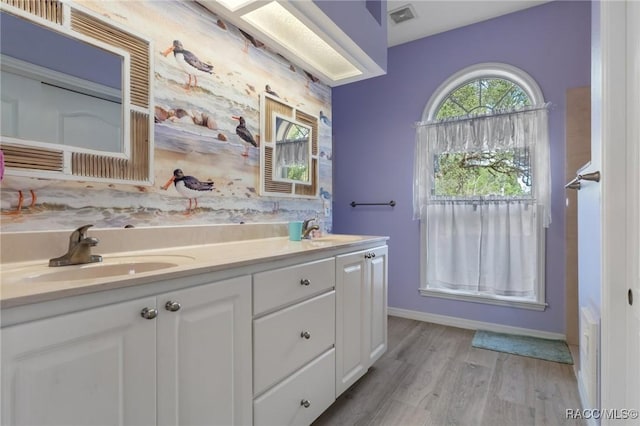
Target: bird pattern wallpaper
208,79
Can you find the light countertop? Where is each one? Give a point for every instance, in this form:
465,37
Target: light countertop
34,281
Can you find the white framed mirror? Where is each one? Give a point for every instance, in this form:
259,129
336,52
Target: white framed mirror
76,94
288,150
292,162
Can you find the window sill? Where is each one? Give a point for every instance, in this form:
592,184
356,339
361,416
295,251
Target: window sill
490,300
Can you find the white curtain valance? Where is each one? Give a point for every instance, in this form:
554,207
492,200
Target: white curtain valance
524,128
292,152
504,130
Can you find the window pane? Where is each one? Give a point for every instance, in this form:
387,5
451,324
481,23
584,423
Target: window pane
500,173
482,96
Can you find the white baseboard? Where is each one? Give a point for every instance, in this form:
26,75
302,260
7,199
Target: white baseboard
584,401
471,324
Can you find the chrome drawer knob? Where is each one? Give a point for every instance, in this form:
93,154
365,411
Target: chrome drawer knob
149,313
305,335
305,403
305,281
172,306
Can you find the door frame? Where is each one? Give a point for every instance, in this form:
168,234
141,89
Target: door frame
616,194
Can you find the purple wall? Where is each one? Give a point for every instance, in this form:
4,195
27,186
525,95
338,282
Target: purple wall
374,142
355,18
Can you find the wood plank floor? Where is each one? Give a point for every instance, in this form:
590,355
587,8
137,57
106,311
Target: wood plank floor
431,375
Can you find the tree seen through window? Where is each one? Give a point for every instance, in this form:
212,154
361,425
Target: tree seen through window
483,173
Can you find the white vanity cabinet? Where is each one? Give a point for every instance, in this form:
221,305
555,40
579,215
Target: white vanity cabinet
272,342
94,367
294,367
108,365
204,355
361,313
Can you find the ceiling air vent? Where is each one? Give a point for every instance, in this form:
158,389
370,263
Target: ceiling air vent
402,14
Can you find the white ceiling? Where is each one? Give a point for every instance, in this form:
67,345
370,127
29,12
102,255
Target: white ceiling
436,16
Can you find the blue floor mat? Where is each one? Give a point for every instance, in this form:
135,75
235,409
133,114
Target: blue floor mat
533,347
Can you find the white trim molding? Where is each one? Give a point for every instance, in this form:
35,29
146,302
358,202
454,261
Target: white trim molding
472,324
486,299
582,393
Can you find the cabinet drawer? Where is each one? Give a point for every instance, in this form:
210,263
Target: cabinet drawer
279,345
283,405
279,287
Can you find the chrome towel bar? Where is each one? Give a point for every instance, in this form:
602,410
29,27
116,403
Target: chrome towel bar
390,203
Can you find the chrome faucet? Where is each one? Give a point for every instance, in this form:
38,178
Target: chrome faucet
79,249
307,228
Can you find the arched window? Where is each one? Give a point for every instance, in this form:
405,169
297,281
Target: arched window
520,90
482,96
481,187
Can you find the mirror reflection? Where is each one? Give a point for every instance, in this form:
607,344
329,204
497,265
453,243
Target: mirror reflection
57,89
292,151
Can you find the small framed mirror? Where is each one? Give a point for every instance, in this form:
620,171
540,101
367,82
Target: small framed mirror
292,151
288,150
76,94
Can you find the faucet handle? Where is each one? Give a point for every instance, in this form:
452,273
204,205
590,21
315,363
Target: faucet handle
306,222
79,234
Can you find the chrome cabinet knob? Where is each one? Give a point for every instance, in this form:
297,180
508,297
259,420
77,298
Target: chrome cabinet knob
367,255
373,255
305,335
305,403
149,313
172,306
305,281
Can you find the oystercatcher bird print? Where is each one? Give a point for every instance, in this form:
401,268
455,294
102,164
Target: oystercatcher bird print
249,39
245,134
188,62
267,89
188,186
23,184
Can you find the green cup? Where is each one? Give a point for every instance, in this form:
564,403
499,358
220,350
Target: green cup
295,231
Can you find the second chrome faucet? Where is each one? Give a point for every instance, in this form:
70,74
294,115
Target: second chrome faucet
307,228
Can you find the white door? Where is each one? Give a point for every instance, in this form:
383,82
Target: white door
204,355
617,72
352,320
633,209
377,271
95,367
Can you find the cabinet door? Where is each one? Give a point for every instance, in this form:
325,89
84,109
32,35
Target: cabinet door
204,355
95,367
377,273
352,319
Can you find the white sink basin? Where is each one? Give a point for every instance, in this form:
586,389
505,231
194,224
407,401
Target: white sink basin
110,267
